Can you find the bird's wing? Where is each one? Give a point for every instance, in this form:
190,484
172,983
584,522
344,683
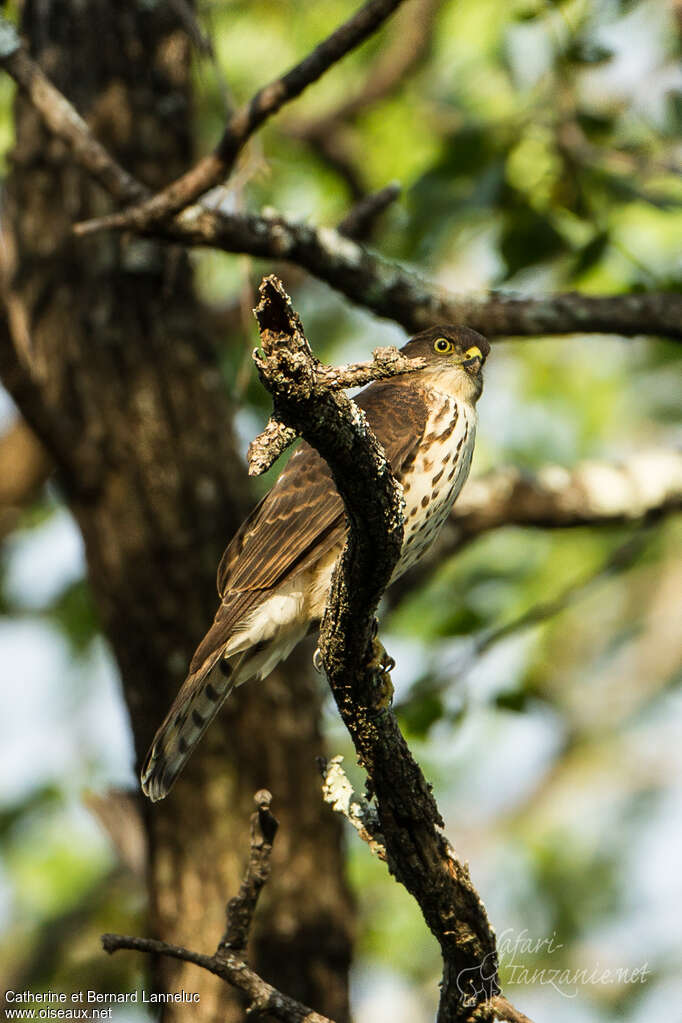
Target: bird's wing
303,507
302,517
299,520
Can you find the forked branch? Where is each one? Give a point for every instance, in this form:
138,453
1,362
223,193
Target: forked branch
408,820
228,960
217,166
277,436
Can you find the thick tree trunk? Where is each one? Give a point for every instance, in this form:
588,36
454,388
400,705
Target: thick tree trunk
112,368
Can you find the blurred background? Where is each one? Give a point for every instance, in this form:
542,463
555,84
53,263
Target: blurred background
538,149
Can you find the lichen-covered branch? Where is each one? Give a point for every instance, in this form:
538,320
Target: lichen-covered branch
216,167
271,442
399,294
417,852
228,961
358,811
266,448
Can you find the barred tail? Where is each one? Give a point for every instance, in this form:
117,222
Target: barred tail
200,698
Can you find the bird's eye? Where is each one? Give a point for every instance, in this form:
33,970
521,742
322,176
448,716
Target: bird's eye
443,346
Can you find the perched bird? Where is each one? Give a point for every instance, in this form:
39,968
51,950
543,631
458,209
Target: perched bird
274,577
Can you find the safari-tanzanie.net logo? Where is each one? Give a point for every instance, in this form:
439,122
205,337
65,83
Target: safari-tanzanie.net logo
523,961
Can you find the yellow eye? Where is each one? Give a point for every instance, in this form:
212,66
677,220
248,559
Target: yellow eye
473,353
443,346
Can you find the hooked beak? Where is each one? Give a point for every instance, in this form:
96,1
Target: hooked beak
473,360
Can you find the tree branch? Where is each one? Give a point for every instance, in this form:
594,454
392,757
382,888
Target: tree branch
62,118
418,854
359,222
390,290
593,493
241,908
277,436
214,168
364,277
328,134
227,962
263,997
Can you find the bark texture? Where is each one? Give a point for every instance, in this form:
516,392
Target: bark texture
110,365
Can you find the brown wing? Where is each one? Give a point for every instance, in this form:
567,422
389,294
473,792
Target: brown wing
302,516
302,506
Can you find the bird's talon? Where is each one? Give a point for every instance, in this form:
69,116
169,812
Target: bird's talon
317,661
382,696
381,665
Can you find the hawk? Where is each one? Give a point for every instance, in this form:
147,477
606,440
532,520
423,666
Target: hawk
274,577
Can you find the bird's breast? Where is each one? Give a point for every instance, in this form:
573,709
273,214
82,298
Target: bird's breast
436,476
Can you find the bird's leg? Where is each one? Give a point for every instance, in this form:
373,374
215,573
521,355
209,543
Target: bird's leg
381,665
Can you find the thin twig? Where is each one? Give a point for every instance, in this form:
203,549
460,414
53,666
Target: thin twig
216,167
329,134
62,118
619,560
227,962
263,997
361,219
241,908
410,45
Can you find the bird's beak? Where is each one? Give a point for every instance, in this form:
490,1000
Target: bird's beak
473,360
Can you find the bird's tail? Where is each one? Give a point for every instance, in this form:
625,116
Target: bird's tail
200,698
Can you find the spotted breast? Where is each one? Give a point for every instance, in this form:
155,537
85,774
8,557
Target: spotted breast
437,475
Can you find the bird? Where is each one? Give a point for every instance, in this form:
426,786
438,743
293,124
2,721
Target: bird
274,577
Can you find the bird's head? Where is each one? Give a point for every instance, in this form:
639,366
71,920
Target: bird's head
454,357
